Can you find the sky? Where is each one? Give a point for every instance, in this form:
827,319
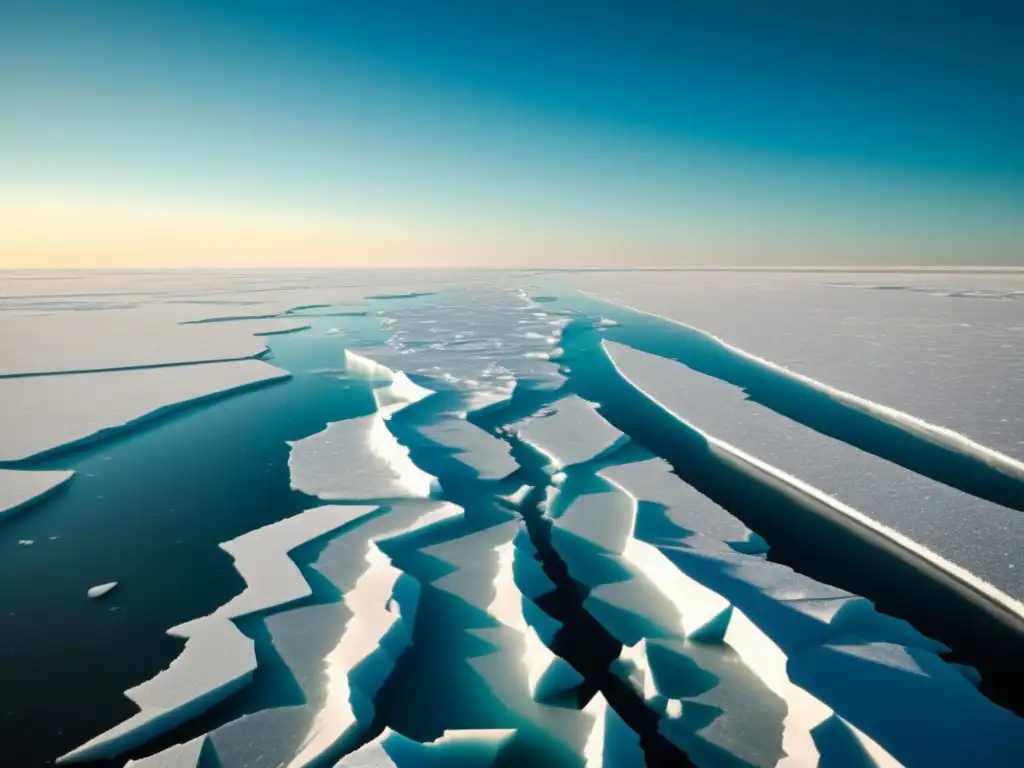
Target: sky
276,133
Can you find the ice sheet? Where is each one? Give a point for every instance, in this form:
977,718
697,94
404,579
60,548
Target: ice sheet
50,412
18,489
569,432
100,590
939,351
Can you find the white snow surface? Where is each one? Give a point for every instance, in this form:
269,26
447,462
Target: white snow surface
19,488
938,346
272,579
356,459
569,431
48,412
961,534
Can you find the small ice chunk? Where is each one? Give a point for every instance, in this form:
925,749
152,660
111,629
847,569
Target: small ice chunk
26,542
261,557
101,589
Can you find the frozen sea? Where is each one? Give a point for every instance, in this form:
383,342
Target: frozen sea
485,518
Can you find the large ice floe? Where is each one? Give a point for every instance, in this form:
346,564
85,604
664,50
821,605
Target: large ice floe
46,413
19,488
916,351
917,514
336,464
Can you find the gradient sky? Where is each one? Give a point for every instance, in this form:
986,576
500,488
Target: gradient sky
516,133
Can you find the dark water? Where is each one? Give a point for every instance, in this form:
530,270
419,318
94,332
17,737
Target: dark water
148,510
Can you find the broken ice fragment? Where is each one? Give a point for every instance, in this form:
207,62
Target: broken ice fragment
100,589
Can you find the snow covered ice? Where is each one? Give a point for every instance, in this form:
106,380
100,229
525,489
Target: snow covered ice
496,536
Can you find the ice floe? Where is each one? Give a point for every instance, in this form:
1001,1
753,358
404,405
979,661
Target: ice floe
656,378
51,412
187,755
569,432
487,456
356,459
20,488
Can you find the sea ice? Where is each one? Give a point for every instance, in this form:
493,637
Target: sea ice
356,459
217,661
466,748
569,432
272,580
935,356
488,457
100,589
187,755
916,513
19,488
49,412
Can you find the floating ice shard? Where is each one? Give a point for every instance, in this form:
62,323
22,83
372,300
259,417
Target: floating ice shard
18,488
356,459
100,589
467,748
50,412
217,661
569,432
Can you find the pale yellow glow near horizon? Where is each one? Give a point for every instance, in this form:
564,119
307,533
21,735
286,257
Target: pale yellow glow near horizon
44,232
118,234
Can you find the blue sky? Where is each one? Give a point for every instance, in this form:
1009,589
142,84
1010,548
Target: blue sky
511,133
